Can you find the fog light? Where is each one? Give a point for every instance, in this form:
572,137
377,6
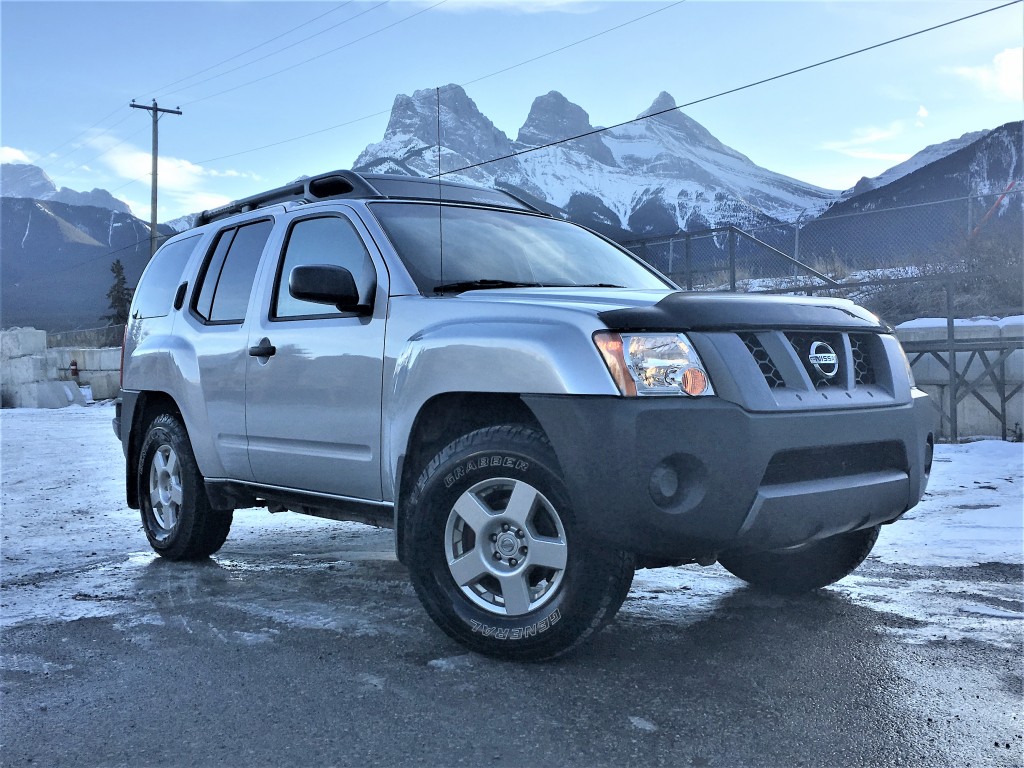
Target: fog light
664,485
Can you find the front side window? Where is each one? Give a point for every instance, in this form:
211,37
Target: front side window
227,277
330,240
447,248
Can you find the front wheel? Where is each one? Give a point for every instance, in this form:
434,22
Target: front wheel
176,513
497,556
805,569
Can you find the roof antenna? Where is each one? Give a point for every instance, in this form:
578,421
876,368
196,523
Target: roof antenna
440,215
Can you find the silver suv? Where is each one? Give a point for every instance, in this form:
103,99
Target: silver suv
533,410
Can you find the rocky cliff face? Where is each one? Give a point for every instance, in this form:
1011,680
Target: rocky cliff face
55,270
30,181
656,176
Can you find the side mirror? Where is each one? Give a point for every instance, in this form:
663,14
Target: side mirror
326,284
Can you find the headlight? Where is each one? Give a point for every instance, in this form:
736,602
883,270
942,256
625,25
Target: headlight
907,365
653,364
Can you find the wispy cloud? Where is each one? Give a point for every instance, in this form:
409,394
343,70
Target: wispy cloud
184,185
1003,79
864,138
870,154
12,155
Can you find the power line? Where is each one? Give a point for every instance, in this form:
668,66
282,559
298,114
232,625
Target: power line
258,45
318,56
754,84
461,85
572,45
280,50
118,109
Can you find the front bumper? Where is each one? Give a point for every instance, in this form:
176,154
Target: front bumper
686,478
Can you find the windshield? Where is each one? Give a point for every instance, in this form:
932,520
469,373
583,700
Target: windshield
485,248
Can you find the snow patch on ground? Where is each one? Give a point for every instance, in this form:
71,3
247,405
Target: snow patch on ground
70,548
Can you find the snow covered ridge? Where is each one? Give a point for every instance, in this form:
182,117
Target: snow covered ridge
23,180
660,175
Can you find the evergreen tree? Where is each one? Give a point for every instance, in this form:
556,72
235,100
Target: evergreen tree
119,295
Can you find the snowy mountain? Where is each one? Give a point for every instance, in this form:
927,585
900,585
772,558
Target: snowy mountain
30,181
55,270
929,154
976,191
660,175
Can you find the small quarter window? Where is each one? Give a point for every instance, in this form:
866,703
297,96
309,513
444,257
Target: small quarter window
329,240
162,278
227,277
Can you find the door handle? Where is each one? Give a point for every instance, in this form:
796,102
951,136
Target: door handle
264,349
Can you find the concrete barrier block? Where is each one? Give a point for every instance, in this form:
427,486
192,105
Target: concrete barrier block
23,370
20,342
925,329
43,394
1012,327
110,359
59,358
105,385
975,420
91,360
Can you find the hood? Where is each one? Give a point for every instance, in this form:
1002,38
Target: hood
592,301
624,309
744,312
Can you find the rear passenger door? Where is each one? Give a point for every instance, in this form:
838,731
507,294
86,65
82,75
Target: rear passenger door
313,405
217,331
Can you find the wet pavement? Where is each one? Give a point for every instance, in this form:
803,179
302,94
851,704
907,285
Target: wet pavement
281,651
301,643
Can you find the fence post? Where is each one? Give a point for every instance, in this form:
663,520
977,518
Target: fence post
732,259
671,252
689,266
954,431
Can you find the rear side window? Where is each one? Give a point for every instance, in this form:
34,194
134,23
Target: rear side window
227,276
329,240
161,279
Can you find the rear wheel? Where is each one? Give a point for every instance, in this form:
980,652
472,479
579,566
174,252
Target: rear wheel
805,569
498,557
176,513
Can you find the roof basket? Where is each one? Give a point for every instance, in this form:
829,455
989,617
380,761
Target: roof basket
323,187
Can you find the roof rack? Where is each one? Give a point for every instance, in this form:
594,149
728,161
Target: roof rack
322,187
335,184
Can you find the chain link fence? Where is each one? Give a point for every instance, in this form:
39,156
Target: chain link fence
967,237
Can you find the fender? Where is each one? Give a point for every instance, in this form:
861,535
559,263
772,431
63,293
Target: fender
168,362
515,353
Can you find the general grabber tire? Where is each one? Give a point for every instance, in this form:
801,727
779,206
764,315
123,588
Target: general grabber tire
176,513
498,556
805,569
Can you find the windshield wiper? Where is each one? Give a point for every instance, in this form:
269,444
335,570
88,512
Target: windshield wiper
477,285
598,285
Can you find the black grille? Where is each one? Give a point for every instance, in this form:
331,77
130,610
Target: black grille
863,371
834,461
764,362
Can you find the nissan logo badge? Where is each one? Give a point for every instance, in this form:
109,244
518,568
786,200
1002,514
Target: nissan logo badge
824,359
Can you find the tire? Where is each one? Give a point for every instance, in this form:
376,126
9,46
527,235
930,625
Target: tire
806,569
497,556
176,513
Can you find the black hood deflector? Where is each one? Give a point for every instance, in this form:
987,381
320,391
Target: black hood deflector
743,312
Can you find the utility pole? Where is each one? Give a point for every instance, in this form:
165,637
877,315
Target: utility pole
155,111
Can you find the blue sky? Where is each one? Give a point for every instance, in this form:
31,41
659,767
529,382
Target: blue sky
70,69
